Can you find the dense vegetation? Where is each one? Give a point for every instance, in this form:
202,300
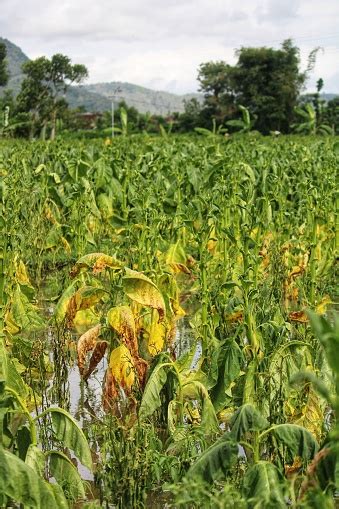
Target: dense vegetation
262,92
193,278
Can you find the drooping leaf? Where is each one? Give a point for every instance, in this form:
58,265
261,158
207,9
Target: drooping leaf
66,476
230,360
84,298
88,296
176,258
3,365
122,367
15,382
121,319
63,303
328,335
69,433
19,482
22,315
85,319
98,353
86,343
141,289
297,440
247,418
216,461
35,458
157,335
196,390
96,261
263,486
151,397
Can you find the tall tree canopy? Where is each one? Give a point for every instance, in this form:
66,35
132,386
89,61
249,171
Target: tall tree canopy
267,81
3,65
43,90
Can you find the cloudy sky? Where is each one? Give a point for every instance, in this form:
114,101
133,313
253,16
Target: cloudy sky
160,43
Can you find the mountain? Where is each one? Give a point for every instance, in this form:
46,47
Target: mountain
97,97
143,99
15,59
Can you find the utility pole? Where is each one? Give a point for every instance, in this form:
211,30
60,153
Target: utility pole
115,91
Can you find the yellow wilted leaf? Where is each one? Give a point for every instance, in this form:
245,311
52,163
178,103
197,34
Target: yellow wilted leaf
212,241
122,367
89,261
84,298
322,306
176,259
87,343
157,337
297,270
84,319
141,289
64,302
21,273
121,319
66,245
88,296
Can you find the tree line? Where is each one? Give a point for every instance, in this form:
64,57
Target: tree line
261,92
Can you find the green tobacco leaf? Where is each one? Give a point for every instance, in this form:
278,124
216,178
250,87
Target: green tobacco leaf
66,475
3,365
263,486
141,289
230,360
21,483
15,381
247,418
196,390
70,435
35,458
216,461
23,314
151,397
297,440
328,335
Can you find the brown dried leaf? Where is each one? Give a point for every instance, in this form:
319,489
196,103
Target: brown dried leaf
87,343
298,316
97,355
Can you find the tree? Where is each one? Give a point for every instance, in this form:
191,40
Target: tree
3,65
216,84
43,90
331,114
268,81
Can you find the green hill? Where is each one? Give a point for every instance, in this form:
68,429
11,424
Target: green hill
97,97
143,99
15,59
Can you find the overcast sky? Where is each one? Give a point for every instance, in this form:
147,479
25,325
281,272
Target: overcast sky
160,43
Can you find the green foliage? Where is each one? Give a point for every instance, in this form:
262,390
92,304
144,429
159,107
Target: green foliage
216,461
247,418
3,65
263,486
45,83
230,241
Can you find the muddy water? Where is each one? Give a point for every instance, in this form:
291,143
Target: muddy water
84,399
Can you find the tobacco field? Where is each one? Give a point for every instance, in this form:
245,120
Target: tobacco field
169,335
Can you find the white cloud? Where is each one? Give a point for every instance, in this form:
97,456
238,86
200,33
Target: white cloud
161,44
